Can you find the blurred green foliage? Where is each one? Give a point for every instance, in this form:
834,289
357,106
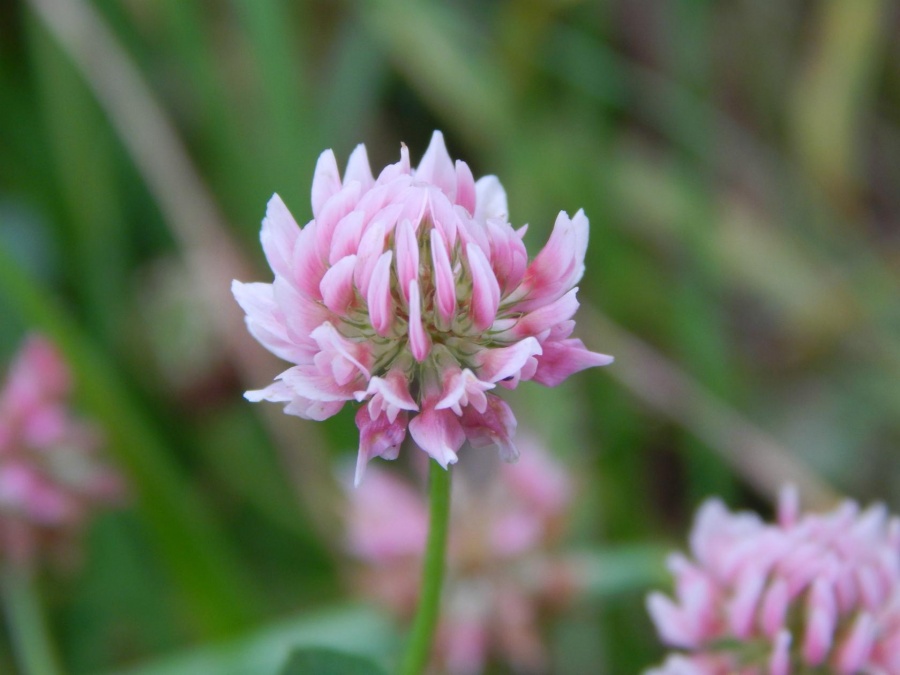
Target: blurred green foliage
739,162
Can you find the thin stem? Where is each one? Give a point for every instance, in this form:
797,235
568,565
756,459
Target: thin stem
32,645
422,634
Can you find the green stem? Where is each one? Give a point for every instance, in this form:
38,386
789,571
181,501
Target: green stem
422,634
33,648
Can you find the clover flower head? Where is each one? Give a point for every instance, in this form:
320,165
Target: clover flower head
811,593
411,294
503,571
50,480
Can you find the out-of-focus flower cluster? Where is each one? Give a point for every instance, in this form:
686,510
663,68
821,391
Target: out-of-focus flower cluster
818,593
49,477
501,573
412,293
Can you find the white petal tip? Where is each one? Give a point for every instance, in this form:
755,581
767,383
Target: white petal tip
447,459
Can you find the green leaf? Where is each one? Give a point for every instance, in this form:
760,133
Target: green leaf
618,570
267,650
323,661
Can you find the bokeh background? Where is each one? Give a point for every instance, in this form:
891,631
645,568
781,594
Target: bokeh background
740,165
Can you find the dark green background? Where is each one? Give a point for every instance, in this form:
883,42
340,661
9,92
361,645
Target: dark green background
739,162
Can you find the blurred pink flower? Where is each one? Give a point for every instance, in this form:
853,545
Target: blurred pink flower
501,574
49,479
819,591
412,293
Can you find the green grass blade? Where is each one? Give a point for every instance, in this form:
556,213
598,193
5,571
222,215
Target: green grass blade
88,181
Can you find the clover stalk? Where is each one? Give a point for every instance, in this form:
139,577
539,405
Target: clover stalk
422,633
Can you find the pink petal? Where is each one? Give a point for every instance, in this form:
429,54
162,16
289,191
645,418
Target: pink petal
562,330
471,231
309,409
392,171
509,258
389,395
281,392
559,265
869,586
742,608
337,286
311,383
380,437
699,597
780,660
496,425
462,388
309,268
788,505
671,624
447,220
386,217
344,358
332,212
845,590
485,289
545,317
773,613
871,523
444,282
301,316
278,235
407,248
438,433
358,168
505,362
437,168
821,621
416,202
465,187
563,358
265,321
490,199
347,234
379,298
277,392
853,654
326,181
418,340
371,246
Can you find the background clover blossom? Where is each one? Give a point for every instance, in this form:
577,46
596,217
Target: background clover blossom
503,574
49,478
808,592
413,295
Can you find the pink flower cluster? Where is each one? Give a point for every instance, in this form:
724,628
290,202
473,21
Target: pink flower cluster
412,293
49,478
817,593
501,575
